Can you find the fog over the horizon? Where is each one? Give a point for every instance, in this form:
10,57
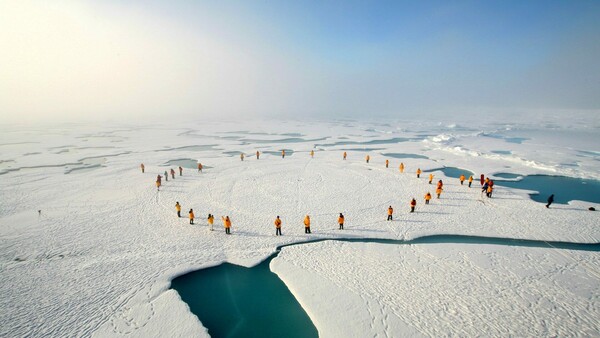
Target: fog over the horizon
70,60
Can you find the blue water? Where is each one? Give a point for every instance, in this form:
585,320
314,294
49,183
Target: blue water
502,152
371,142
507,176
233,301
564,188
452,172
404,155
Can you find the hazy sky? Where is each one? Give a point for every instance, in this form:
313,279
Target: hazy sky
103,59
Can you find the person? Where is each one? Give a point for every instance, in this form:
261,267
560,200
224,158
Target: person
166,176
387,163
277,226
210,219
390,212
307,224
481,179
462,179
413,204
470,180
283,153
172,173
419,172
242,157
180,171
191,216
401,167
368,158
345,155
159,178
430,178
484,188
440,184
157,185
257,155
341,221
227,224
143,167
438,191
312,153
199,167
178,208
490,189
427,197
550,201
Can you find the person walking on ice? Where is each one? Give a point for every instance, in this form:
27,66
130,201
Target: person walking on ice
199,167
312,154
470,180
178,208
166,176
157,185
345,155
413,204
277,226
226,224
341,221
257,155
427,197
172,173
210,219
419,172
401,167
143,167
390,212
550,201
283,153
191,216
242,157
307,224
430,178
438,191
180,171
387,163
368,158
462,179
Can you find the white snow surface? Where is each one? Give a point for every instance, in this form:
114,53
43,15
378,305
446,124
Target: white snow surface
99,258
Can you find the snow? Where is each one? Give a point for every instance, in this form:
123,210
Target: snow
99,258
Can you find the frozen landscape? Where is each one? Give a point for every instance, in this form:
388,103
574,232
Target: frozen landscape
99,257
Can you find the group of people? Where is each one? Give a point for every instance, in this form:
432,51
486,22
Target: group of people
486,183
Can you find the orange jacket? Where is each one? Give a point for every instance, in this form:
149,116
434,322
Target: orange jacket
438,191
431,177
390,210
226,222
387,162
307,221
192,215
368,157
211,219
471,178
277,223
345,154
341,220
401,167
428,197
312,153
178,207
419,171
462,178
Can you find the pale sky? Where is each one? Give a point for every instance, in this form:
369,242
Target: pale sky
96,60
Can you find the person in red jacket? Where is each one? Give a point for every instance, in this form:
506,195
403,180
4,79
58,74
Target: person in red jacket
413,204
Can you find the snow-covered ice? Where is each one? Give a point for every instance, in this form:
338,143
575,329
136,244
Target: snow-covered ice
99,258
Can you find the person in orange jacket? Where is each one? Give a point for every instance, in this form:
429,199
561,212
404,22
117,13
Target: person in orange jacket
307,224
387,163
159,178
210,219
227,224
283,153
438,191
143,167
277,226
368,158
401,167
191,216
470,180
172,173
257,155
427,197
413,204
345,155
242,156
312,153
158,185
419,172
178,208
180,171
440,184
341,221
199,167
462,179
430,178
490,189
390,212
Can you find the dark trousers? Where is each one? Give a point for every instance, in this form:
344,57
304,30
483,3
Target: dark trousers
470,184
429,182
418,175
412,209
341,226
191,221
389,217
277,231
426,201
227,231
548,205
307,230
179,214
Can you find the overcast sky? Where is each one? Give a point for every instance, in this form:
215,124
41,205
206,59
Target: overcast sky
64,60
